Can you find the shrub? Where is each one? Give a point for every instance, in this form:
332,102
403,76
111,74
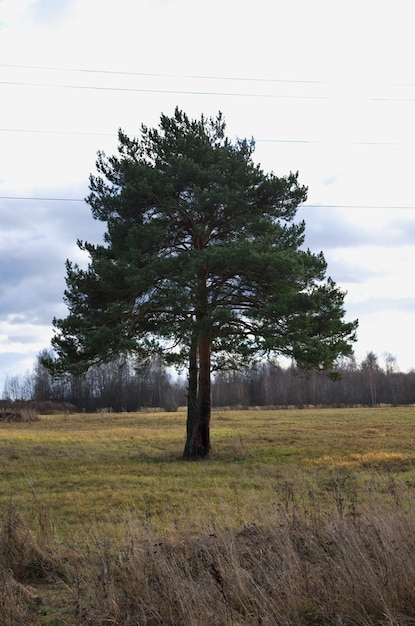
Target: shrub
18,415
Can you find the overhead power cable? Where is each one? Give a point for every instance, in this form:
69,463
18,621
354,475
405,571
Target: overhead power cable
201,76
334,142
207,93
164,75
301,206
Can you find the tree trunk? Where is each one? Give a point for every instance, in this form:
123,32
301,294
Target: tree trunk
191,398
199,402
202,431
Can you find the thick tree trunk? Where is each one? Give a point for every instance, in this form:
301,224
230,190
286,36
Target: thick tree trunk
191,398
198,422
199,403
202,432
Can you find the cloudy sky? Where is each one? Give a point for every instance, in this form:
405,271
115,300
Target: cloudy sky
326,87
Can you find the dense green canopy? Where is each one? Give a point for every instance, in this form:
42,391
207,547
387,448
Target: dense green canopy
203,261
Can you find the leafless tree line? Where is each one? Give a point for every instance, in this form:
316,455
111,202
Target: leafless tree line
125,385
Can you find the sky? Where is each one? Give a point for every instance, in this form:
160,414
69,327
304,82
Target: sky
326,88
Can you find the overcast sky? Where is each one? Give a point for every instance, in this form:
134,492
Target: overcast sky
325,87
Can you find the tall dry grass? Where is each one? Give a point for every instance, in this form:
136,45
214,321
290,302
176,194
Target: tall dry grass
24,562
347,563
20,414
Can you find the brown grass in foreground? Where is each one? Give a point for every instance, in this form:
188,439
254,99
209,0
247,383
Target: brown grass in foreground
351,564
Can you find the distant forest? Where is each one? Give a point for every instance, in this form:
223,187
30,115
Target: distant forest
124,385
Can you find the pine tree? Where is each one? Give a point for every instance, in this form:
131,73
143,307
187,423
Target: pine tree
203,262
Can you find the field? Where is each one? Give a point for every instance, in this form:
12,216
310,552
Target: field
103,523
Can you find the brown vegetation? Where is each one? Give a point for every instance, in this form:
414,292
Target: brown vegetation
15,414
29,410
303,566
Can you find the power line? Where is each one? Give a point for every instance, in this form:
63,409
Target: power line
336,142
281,141
301,206
163,75
202,77
206,93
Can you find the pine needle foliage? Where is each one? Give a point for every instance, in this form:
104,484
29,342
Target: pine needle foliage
203,262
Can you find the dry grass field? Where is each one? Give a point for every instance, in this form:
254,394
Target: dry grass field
299,517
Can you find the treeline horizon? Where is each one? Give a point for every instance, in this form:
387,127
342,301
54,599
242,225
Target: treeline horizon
125,385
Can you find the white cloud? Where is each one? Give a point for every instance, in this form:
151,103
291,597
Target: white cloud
356,60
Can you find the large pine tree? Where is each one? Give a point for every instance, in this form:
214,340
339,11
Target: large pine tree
202,261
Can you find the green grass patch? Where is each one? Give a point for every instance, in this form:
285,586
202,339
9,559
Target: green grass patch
88,469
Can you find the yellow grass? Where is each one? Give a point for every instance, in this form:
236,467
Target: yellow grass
299,517
379,459
88,469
